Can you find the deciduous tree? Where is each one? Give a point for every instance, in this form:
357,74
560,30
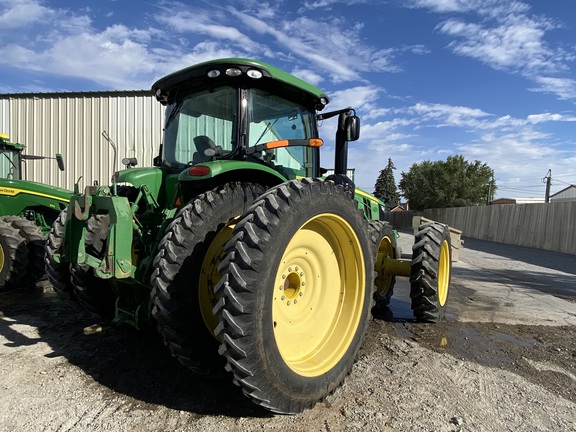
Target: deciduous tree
451,183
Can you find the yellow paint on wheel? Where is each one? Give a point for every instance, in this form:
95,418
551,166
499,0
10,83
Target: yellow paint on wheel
209,275
318,295
444,273
384,279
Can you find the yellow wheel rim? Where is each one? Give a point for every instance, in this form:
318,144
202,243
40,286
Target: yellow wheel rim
209,275
444,273
384,280
318,295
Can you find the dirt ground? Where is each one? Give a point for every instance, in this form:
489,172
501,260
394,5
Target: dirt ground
505,360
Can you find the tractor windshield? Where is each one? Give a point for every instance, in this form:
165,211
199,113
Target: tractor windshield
210,119
9,164
273,118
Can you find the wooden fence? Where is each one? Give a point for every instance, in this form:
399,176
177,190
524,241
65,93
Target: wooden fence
550,226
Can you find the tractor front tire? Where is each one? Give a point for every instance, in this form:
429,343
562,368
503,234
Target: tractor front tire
295,294
94,294
59,272
430,272
384,243
13,256
35,241
186,271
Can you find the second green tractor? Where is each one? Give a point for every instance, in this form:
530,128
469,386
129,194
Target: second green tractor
248,260
27,211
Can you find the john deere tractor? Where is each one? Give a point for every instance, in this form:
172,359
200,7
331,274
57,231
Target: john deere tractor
249,262
27,211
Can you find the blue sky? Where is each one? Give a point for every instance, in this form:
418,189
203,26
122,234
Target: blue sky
493,80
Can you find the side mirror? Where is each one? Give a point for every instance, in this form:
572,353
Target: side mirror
60,161
352,128
157,161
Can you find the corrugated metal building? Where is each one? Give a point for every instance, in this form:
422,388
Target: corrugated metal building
565,195
72,124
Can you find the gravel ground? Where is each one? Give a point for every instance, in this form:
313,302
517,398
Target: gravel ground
504,360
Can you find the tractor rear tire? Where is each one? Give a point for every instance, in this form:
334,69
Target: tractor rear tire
59,272
95,295
384,241
13,257
186,271
430,272
35,241
295,294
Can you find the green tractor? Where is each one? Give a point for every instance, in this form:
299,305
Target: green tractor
27,211
249,262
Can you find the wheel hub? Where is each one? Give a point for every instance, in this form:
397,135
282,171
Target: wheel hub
293,286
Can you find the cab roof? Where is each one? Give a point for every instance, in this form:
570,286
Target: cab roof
245,72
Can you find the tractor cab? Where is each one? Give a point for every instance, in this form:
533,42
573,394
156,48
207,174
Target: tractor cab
239,110
10,158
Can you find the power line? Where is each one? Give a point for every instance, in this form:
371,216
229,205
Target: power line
565,175
522,186
556,180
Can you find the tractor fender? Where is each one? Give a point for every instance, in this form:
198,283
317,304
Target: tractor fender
151,177
210,170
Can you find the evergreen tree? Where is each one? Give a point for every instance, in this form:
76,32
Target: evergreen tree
385,187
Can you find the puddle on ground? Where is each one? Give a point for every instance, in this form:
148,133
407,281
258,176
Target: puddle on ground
466,342
486,343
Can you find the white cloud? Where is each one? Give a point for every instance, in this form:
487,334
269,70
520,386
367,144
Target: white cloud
308,75
361,98
327,4
16,14
382,130
516,44
200,22
564,88
548,117
322,48
506,37
110,57
442,115
492,8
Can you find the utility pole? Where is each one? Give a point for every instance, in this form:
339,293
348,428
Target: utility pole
489,197
548,180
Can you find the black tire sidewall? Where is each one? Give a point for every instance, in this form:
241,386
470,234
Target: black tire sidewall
425,301
179,313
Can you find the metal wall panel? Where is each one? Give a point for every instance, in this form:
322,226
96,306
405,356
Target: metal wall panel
5,116
566,194
72,124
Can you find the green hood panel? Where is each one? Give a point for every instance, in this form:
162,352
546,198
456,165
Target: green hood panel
13,188
18,195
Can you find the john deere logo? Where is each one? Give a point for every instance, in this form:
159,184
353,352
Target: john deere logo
8,191
14,192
